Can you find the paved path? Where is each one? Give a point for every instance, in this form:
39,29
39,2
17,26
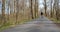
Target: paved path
41,24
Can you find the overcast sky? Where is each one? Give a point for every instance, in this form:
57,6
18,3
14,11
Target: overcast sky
41,3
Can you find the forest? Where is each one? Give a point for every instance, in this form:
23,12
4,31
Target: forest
15,12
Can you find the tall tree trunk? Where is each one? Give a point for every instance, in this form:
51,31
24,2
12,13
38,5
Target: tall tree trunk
17,12
14,7
56,8
8,9
3,11
57,11
45,6
51,8
35,8
31,11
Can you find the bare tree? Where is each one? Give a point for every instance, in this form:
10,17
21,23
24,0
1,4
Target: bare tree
3,11
17,6
45,7
8,8
56,6
57,12
31,11
14,6
36,8
51,8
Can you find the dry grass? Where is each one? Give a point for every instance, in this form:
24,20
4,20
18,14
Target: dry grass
57,22
22,18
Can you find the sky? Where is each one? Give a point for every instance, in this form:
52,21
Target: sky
41,3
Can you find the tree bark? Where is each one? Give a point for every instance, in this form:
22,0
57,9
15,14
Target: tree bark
31,11
3,12
45,6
